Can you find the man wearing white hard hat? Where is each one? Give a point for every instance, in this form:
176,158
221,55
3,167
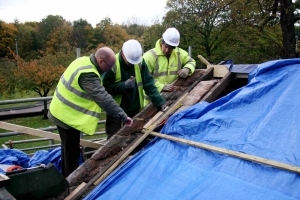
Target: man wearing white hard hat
126,82
166,61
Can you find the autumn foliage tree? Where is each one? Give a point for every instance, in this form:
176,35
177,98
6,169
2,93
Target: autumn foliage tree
116,40
7,78
39,76
7,37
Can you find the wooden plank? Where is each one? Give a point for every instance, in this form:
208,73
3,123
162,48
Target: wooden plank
79,187
44,134
237,154
218,88
219,70
203,60
152,120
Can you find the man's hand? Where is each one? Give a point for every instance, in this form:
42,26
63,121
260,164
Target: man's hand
130,83
183,73
128,121
168,88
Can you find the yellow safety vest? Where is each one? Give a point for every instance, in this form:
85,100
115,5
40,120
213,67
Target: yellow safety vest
164,70
72,105
138,78
168,74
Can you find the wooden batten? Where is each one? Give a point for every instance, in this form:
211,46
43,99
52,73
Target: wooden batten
44,134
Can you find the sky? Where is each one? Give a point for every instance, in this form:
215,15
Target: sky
93,11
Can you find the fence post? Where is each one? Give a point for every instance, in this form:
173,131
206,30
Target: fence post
190,51
77,52
45,110
51,142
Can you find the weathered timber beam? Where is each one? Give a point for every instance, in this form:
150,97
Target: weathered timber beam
217,89
44,134
203,60
72,194
237,154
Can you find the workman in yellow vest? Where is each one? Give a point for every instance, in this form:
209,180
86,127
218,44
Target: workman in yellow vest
77,103
126,82
166,62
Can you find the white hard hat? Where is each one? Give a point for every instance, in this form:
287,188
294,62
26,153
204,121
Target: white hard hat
171,36
132,51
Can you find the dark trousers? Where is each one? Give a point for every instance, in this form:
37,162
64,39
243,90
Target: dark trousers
70,149
112,125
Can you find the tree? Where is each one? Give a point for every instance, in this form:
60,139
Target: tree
8,34
60,40
45,28
200,23
134,26
83,34
288,16
37,76
99,30
7,79
115,36
152,34
269,13
247,45
25,39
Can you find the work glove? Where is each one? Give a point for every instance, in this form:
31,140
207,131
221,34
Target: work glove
128,121
163,107
130,83
183,73
168,88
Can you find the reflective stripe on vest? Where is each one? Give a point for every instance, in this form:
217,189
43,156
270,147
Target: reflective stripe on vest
157,73
72,105
138,78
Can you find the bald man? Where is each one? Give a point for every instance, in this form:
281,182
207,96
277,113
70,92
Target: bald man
77,103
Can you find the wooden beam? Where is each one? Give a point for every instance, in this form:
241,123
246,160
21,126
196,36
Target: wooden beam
152,120
44,134
70,196
203,60
217,89
237,154
219,70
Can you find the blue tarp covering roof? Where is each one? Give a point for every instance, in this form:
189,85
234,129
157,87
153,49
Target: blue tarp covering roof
238,68
260,119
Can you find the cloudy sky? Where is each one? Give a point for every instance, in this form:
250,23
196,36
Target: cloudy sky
91,10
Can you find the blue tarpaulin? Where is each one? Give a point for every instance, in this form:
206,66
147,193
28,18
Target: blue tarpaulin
20,158
259,119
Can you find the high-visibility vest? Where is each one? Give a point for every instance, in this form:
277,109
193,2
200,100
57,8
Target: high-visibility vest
138,78
72,105
168,74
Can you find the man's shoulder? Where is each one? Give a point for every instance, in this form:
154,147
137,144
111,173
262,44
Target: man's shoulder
182,52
